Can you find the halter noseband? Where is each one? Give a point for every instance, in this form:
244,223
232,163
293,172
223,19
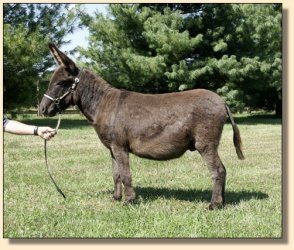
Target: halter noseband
69,91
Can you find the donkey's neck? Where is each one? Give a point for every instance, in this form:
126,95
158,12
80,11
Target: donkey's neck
91,94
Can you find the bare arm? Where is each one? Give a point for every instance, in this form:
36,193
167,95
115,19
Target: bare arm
15,127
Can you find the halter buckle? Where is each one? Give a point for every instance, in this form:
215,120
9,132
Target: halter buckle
73,86
56,101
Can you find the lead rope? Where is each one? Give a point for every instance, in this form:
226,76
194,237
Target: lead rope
47,166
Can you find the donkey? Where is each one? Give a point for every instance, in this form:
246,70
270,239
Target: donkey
154,126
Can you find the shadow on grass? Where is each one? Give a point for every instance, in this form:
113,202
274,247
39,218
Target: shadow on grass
232,197
66,123
254,119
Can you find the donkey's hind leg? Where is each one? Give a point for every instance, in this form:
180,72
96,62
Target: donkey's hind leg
218,172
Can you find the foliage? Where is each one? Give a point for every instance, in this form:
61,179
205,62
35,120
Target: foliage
173,195
233,49
27,30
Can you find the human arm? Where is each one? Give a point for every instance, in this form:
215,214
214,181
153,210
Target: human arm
19,128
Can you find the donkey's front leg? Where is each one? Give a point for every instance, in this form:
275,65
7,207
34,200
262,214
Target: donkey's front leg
116,179
122,173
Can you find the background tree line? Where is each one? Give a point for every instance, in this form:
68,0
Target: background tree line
232,49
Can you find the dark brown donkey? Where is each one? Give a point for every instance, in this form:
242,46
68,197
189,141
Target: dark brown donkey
158,127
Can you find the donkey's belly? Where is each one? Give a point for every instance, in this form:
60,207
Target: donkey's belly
161,148
161,153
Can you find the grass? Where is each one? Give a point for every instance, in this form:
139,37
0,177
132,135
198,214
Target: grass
173,195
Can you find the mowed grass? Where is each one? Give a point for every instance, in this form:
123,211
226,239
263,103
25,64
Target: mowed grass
173,196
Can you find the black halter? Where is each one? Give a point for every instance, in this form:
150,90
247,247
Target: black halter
69,91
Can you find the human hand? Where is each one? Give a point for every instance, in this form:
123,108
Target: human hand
46,132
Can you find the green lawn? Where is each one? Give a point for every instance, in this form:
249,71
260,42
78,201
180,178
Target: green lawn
173,195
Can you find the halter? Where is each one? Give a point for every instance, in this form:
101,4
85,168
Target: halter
57,102
69,91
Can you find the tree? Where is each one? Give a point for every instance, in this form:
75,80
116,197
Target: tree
233,49
27,30
263,65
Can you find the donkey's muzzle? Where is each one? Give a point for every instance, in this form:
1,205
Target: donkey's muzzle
47,110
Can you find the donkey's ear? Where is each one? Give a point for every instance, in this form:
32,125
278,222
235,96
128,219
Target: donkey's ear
63,60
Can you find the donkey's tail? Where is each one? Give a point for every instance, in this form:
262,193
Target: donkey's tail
236,137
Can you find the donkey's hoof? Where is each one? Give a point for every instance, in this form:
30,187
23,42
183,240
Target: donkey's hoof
130,202
116,198
215,205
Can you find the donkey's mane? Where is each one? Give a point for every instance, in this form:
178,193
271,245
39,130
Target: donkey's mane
92,91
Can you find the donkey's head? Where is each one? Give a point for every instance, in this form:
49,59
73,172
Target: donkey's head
59,95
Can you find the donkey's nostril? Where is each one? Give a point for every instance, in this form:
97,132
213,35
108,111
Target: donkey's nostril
43,109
